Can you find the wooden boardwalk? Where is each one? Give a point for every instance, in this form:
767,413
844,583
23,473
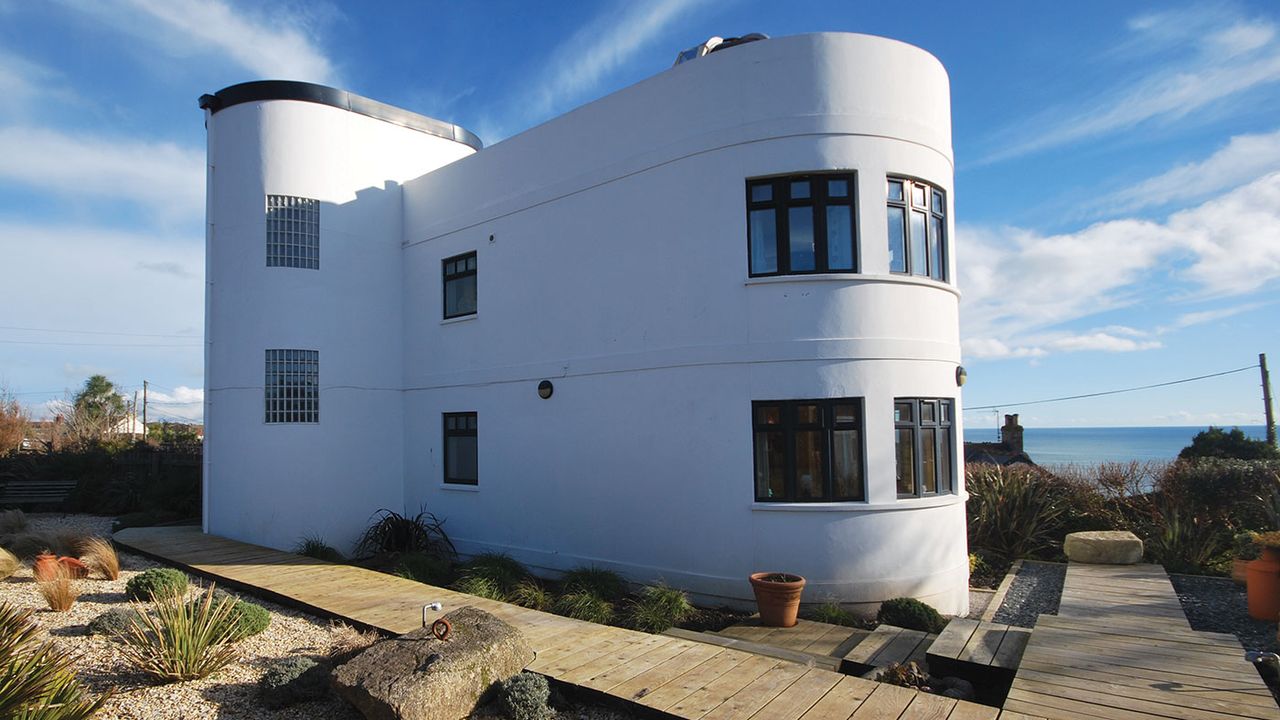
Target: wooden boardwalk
1121,649
681,678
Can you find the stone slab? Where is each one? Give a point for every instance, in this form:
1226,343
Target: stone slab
1103,547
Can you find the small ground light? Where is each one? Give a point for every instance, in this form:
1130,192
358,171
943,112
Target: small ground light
961,375
545,388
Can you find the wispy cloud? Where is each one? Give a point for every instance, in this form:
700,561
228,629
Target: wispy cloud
1208,316
164,178
275,44
25,83
1205,58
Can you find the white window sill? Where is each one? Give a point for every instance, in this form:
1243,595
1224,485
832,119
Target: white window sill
458,487
853,279
861,507
463,318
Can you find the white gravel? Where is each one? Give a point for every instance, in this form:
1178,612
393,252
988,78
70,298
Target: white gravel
229,693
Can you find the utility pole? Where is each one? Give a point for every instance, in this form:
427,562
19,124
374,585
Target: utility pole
144,411
1266,399
133,412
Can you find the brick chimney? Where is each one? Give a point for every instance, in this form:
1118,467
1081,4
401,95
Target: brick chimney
1011,433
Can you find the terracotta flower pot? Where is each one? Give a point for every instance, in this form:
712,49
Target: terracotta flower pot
45,567
1239,571
75,568
1263,590
777,597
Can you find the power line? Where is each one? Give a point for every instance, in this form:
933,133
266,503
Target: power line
87,344
97,332
1113,392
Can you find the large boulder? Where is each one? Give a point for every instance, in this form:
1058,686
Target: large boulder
418,677
1103,547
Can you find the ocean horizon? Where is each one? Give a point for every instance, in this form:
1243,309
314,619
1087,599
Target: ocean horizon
1093,445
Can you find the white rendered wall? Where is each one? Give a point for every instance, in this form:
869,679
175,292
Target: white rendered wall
274,483
617,269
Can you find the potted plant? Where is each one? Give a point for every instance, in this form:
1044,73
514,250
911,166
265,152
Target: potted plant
1263,576
1246,552
45,566
777,597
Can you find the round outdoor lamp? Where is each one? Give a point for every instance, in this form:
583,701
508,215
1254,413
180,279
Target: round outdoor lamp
961,376
545,388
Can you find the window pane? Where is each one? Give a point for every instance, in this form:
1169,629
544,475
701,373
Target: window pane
801,233
895,190
460,296
846,464
929,459
917,196
460,465
928,413
906,465
762,192
840,237
935,248
768,415
918,266
902,412
764,242
808,415
939,205
799,189
945,481
897,240
945,414
770,465
837,188
809,464
846,414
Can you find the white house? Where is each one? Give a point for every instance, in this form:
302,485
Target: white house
704,326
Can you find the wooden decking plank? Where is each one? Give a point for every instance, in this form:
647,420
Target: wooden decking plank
871,645
973,711
1012,647
983,644
929,707
1090,642
799,637
953,638
647,661
826,644
694,680
718,691
1142,630
663,673
1006,714
799,696
609,661
1159,681
842,700
567,646
1158,695
1150,671
886,702
1127,703
757,694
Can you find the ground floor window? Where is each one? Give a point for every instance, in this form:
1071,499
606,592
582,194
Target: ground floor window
808,450
291,388
460,449
924,446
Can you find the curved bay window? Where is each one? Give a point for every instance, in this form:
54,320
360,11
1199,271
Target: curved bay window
924,446
799,224
808,450
917,228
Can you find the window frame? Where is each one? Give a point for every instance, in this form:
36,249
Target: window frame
448,432
819,199
292,232
788,425
291,386
906,205
944,425
447,277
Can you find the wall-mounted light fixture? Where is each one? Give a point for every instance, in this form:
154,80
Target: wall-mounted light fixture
961,375
545,388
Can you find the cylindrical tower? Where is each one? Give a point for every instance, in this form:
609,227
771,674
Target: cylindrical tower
303,306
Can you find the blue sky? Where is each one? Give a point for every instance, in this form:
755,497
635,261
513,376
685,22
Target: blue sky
1117,186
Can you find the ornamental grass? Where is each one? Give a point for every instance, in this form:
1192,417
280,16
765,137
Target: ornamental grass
179,640
59,591
37,679
100,555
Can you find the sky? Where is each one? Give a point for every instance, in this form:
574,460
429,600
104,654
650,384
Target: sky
1117,188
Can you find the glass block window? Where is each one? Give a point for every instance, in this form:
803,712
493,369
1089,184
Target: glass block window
917,229
293,232
461,461
292,386
459,285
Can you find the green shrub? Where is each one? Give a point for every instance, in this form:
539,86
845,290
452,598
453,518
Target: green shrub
503,571
37,679
1183,541
524,697
246,619
911,614
584,605
113,622
1246,546
182,641
392,532
314,546
1232,444
832,614
603,583
155,583
530,593
12,522
657,608
1013,512
423,568
480,587
292,680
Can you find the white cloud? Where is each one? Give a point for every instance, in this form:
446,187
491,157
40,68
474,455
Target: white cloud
1100,341
1207,316
1233,238
23,83
275,45
163,177
1228,57
184,403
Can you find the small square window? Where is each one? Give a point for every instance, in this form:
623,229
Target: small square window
800,190
461,449
837,188
459,285
895,190
762,192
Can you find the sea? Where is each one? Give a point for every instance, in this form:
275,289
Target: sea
1092,445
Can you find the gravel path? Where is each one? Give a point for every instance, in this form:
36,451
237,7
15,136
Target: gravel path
229,693
1219,605
1035,589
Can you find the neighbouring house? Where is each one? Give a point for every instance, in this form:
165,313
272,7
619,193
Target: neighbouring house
703,326
1006,452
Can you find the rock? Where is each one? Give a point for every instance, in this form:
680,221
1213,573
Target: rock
417,677
1103,547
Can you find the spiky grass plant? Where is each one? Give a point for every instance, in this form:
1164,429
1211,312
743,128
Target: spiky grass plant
314,546
392,532
602,583
37,679
480,586
504,571
100,555
832,614
584,605
60,591
658,608
179,640
423,568
530,593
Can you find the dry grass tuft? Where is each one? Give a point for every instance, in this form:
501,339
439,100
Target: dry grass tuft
100,556
9,563
26,545
60,592
347,642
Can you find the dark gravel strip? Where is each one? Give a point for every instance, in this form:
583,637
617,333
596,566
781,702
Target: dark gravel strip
1036,589
1218,605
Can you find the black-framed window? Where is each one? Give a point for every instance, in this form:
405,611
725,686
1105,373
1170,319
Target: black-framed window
924,444
291,389
459,274
917,228
808,450
461,459
293,232
799,224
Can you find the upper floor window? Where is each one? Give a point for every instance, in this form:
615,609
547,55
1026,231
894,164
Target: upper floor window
917,229
293,232
460,285
808,450
291,390
801,224
924,446
461,461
